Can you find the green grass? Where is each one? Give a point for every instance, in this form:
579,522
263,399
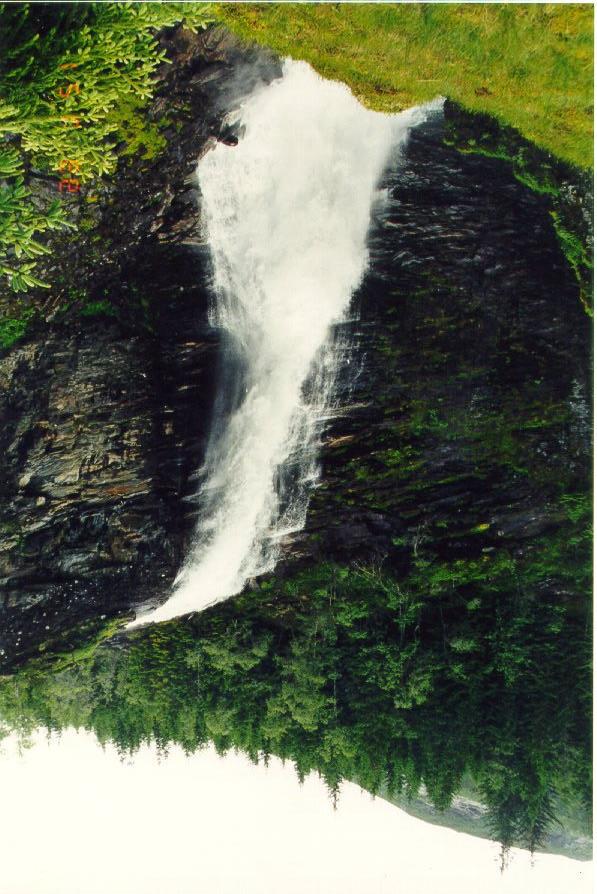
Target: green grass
530,66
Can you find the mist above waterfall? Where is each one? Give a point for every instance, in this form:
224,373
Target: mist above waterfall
286,213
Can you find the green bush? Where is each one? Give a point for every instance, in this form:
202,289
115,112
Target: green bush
65,74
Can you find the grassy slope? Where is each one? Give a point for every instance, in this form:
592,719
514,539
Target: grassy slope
530,66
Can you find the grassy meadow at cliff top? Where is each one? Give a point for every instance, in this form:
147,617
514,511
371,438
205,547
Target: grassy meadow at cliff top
531,66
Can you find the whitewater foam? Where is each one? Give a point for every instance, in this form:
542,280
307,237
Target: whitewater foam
286,212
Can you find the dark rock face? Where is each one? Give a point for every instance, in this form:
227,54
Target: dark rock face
106,405
103,430
469,421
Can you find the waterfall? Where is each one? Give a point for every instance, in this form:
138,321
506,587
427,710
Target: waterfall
286,213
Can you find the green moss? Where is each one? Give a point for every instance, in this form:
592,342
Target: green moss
529,168
571,245
72,295
101,308
578,257
9,528
80,646
543,187
140,134
14,328
86,224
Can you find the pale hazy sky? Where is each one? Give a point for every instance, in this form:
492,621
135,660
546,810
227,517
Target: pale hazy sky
77,820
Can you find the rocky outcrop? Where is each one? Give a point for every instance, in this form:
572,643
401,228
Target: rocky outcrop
106,402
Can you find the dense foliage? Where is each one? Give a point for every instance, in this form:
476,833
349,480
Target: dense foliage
66,74
529,65
456,671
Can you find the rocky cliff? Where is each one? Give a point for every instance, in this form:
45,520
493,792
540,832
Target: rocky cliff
465,433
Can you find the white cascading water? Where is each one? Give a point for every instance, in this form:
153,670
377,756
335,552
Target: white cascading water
286,212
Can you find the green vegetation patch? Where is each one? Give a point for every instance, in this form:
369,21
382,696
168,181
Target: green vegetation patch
12,329
578,258
351,672
101,308
74,80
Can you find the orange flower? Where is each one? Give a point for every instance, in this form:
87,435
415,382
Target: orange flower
70,164
71,119
70,183
64,92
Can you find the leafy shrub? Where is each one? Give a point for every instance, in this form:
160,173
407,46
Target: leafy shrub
65,71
